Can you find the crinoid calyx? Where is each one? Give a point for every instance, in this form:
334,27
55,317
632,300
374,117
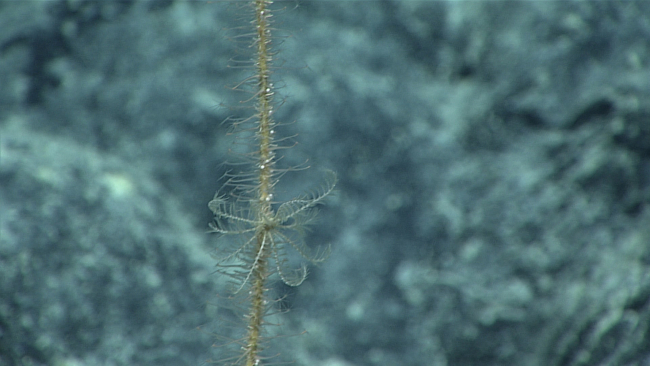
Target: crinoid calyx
266,234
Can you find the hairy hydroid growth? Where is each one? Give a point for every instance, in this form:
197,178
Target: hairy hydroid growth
263,228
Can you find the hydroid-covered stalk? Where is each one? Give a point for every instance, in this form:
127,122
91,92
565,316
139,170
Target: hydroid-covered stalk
264,234
264,103
266,161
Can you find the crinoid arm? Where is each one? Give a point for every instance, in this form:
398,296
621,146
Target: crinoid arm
290,277
230,218
300,211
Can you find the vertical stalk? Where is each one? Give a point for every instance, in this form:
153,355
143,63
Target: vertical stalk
264,104
258,306
267,231
265,184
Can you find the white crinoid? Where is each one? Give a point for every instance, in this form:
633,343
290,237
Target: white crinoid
264,235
